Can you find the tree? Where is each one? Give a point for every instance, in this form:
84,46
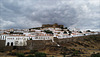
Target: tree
88,31
20,55
75,53
80,31
62,28
65,27
95,55
70,32
33,51
39,54
65,32
30,38
30,56
48,31
52,56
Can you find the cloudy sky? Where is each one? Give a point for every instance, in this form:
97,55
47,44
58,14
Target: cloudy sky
83,14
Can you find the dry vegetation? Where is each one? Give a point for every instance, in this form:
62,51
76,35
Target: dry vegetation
90,45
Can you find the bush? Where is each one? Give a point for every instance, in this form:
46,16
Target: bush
30,56
75,53
80,31
30,38
52,56
39,54
33,51
12,53
20,55
88,31
95,55
48,31
65,32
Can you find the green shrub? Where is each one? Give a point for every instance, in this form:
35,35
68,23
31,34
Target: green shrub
20,55
88,31
48,31
30,56
75,52
39,54
33,51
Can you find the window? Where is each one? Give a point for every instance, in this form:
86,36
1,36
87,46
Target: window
36,38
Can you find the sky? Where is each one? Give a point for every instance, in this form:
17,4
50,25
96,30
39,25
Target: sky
20,14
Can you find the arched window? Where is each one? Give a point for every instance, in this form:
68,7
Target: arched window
11,43
8,44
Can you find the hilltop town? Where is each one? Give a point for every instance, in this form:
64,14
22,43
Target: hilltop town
46,32
41,37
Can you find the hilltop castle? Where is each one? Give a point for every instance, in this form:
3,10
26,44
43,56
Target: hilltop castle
52,25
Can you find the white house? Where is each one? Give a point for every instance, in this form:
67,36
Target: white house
21,39
43,36
16,40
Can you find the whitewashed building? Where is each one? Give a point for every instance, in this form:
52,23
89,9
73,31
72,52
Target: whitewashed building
21,39
14,40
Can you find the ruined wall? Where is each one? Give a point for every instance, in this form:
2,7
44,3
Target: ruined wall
37,44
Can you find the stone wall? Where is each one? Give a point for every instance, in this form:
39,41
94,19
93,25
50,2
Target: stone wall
37,44
2,44
8,48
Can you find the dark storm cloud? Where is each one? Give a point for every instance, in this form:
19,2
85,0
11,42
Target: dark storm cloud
33,13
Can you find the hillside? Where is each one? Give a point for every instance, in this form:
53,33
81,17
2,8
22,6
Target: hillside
71,47
85,47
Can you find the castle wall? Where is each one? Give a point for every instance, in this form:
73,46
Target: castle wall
52,25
